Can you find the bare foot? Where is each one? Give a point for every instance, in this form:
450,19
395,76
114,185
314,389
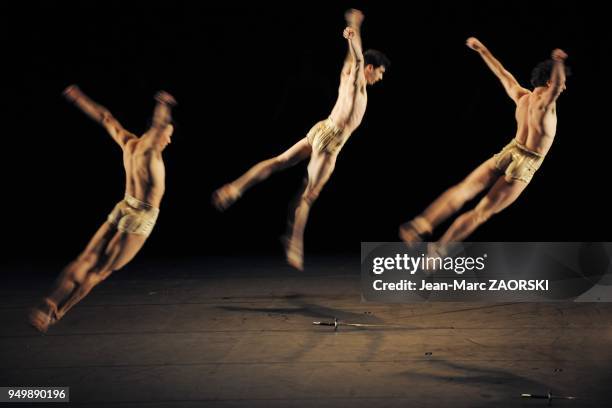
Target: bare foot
224,197
42,317
294,255
409,235
414,231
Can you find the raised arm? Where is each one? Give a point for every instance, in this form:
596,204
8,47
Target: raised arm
162,114
99,114
511,85
557,78
352,32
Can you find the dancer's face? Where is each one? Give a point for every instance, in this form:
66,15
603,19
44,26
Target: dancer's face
166,136
373,75
549,83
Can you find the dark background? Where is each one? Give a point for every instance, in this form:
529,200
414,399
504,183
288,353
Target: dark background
251,80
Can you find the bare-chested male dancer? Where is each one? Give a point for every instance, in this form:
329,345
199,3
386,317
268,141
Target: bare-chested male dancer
129,224
508,172
323,142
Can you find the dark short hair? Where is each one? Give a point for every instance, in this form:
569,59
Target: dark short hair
540,75
376,58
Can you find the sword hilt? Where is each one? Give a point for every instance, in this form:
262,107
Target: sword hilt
549,396
333,324
535,396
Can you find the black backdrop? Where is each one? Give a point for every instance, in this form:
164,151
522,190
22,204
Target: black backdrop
252,79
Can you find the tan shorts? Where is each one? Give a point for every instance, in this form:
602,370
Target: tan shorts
134,216
518,162
325,136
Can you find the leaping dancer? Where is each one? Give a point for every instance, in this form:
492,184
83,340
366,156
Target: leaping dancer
506,174
127,227
323,142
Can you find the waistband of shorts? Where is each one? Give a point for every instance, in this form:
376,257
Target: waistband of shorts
526,150
138,204
330,123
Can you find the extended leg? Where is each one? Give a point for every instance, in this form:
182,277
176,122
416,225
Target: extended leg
450,202
120,250
108,250
229,193
71,277
501,195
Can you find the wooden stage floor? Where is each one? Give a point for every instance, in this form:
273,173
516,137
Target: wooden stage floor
232,332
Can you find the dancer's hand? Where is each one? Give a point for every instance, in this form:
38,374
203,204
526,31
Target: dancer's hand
165,98
72,93
475,44
354,18
349,33
558,55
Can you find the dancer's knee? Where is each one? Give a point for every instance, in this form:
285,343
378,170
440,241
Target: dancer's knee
101,267
280,162
93,279
85,259
310,196
463,192
482,214
269,166
77,270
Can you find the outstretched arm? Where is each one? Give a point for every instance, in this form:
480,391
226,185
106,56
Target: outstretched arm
557,77
352,32
511,85
98,113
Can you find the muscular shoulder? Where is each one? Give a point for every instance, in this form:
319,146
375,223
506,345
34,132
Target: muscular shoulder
525,97
542,104
131,144
524,101
136,148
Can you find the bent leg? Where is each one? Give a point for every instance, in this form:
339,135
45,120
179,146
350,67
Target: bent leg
76,271
320,168
229,193
450,202
502,194
120,250
71,277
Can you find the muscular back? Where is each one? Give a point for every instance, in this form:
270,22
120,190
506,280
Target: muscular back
536,122
536,111
144,172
